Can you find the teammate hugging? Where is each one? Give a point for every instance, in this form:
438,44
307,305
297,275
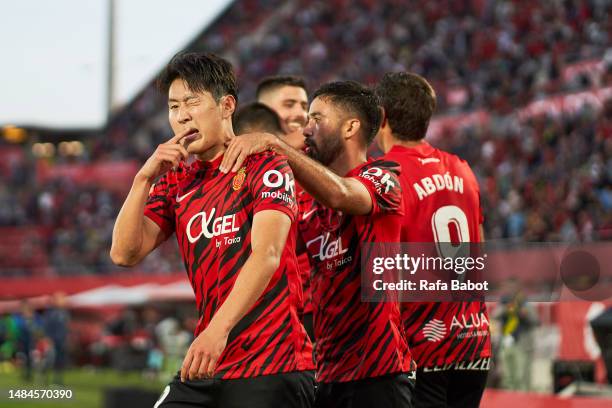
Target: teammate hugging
241,221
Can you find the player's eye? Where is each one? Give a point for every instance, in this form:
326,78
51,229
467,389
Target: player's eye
173,107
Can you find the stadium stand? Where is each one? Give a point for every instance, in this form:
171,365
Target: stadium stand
527,105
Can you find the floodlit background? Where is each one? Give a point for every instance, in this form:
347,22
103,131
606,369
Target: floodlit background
524,95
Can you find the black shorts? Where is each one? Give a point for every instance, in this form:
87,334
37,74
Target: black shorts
450,388
388,391
292,390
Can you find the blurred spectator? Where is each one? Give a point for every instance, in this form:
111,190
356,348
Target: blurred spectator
517,319
175,342
29,329
56,322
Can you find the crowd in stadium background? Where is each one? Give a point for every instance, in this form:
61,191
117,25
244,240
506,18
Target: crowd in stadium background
478,55
545,175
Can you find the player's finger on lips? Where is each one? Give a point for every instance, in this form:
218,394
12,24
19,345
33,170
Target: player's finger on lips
176,138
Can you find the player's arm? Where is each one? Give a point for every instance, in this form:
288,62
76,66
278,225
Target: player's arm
134,234
345,194
482,234
267,248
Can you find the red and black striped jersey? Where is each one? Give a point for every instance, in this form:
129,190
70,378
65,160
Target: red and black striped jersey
304,265
354,339
212,216
442,203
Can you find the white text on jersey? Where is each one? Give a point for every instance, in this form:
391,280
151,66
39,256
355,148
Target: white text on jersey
438,182
220,225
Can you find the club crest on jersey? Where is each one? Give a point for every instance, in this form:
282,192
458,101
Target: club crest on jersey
239,179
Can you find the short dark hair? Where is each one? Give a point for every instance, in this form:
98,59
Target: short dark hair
203,72
256,117
272,82
409,102
356,99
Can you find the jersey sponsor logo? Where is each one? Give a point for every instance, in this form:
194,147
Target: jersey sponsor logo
472,325
435,330
327,249
239,179
277,195
210,227
438,182
380,179
473,320
275,179
482,364
429,160
184,196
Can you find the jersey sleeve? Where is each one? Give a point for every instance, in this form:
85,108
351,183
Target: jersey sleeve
272,185
380,177
160,204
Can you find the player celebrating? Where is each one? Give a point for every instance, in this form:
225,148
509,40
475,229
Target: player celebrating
250,349
362,357
453,371
288,97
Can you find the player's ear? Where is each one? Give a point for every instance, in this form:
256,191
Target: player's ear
351,127
228,106
383,118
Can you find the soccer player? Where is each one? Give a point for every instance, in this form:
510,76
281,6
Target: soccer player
452,371
250,349
288,97
362,356
256,117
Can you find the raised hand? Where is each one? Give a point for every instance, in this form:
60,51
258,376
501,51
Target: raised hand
166,156
242,146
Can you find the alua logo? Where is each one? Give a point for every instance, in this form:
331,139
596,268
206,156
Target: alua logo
434,330
327,249
476,320
211,227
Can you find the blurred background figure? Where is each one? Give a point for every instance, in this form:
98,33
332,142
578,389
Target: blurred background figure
517,320
56,322
28,329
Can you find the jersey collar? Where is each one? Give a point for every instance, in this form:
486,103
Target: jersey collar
423,149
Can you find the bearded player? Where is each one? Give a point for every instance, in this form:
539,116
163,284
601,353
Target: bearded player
250,349
452,371
362,357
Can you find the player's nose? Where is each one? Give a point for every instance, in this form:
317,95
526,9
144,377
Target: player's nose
183,116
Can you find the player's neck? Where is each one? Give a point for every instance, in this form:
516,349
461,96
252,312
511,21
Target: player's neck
218,149
408,143
347,161
213,153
